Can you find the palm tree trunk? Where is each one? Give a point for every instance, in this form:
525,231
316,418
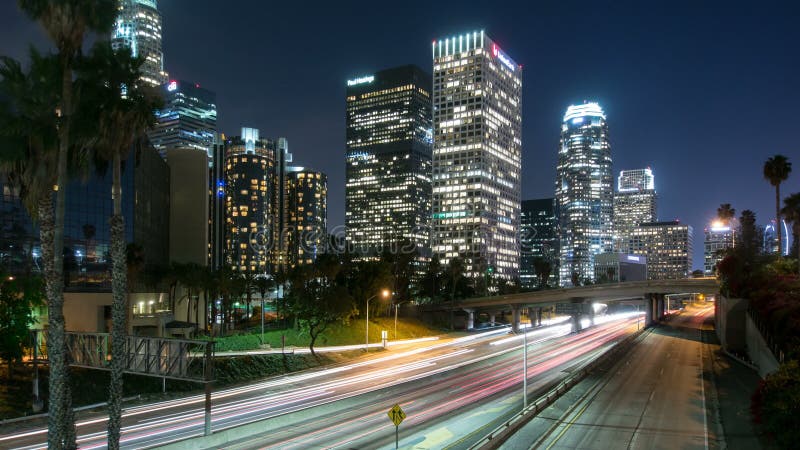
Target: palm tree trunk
778,217
61,420
59,409
118,309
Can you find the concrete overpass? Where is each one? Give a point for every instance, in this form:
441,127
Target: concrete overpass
651,293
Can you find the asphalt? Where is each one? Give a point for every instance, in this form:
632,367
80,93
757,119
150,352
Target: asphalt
675,389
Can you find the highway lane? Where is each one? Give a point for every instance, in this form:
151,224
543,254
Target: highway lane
655,398
309,392
452,409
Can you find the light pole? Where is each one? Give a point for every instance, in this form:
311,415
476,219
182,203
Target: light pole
385,294
525,366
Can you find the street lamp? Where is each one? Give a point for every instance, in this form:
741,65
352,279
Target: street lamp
385,294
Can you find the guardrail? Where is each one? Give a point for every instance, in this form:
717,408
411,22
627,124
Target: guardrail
500,434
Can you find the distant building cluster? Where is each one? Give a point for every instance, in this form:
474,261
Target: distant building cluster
433,165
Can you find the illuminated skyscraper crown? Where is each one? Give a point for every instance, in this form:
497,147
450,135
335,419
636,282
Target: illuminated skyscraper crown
589,109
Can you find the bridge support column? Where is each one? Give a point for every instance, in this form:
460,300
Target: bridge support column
539,317
576,321
470,318
649,308
591,314
660,306
491,316
515,318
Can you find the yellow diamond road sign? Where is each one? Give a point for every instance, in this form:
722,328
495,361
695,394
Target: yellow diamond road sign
396,414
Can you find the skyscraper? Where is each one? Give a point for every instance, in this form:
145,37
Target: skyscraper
718,238
187,120
667,246
249,163
539,241
477,118
584,192
634,203
307,215
388,160
138,27
770,244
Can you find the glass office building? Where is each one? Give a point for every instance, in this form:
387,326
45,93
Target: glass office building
668,247
388,161
477,155
584,192
187,120
87,235
138,27
634,203
539,241
307,215
718,238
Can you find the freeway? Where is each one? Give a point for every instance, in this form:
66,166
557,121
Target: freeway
655,397
452,392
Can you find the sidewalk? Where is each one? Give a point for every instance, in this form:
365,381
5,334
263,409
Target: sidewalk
735,385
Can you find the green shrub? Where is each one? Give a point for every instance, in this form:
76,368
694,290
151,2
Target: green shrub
776,404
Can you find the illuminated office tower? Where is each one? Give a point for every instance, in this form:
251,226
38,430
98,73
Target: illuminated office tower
584,192
138,27
667,246
718,238
249,165
187,120
477,118
770,245
388,161
634,203
307,194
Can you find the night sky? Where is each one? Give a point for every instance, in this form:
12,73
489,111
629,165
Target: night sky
703,95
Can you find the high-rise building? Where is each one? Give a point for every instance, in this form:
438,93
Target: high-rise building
307,192
667,246
216,204
539,241
584,191
249,165
634,203
388,160
719,236
187,120
477,119
138,27
770,245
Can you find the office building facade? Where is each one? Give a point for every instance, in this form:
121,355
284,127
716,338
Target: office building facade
667,246
388,161
307,215
718,238
187,120
539,242
249,183
477,119
634,203
138,27
584,192
619,267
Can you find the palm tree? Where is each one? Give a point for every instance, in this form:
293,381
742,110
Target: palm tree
66,22
776,171
791,210
29,132
110,79
725,214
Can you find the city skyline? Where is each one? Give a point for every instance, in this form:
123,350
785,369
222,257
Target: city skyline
645,89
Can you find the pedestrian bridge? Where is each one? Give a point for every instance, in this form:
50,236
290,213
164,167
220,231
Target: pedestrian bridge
650,293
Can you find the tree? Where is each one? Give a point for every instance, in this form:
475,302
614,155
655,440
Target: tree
431,285
319,298
776,171
791,210
725,213
29,132
18,299
543,268
66,22
124,111
749,233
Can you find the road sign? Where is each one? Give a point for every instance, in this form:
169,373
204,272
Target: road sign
396,414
